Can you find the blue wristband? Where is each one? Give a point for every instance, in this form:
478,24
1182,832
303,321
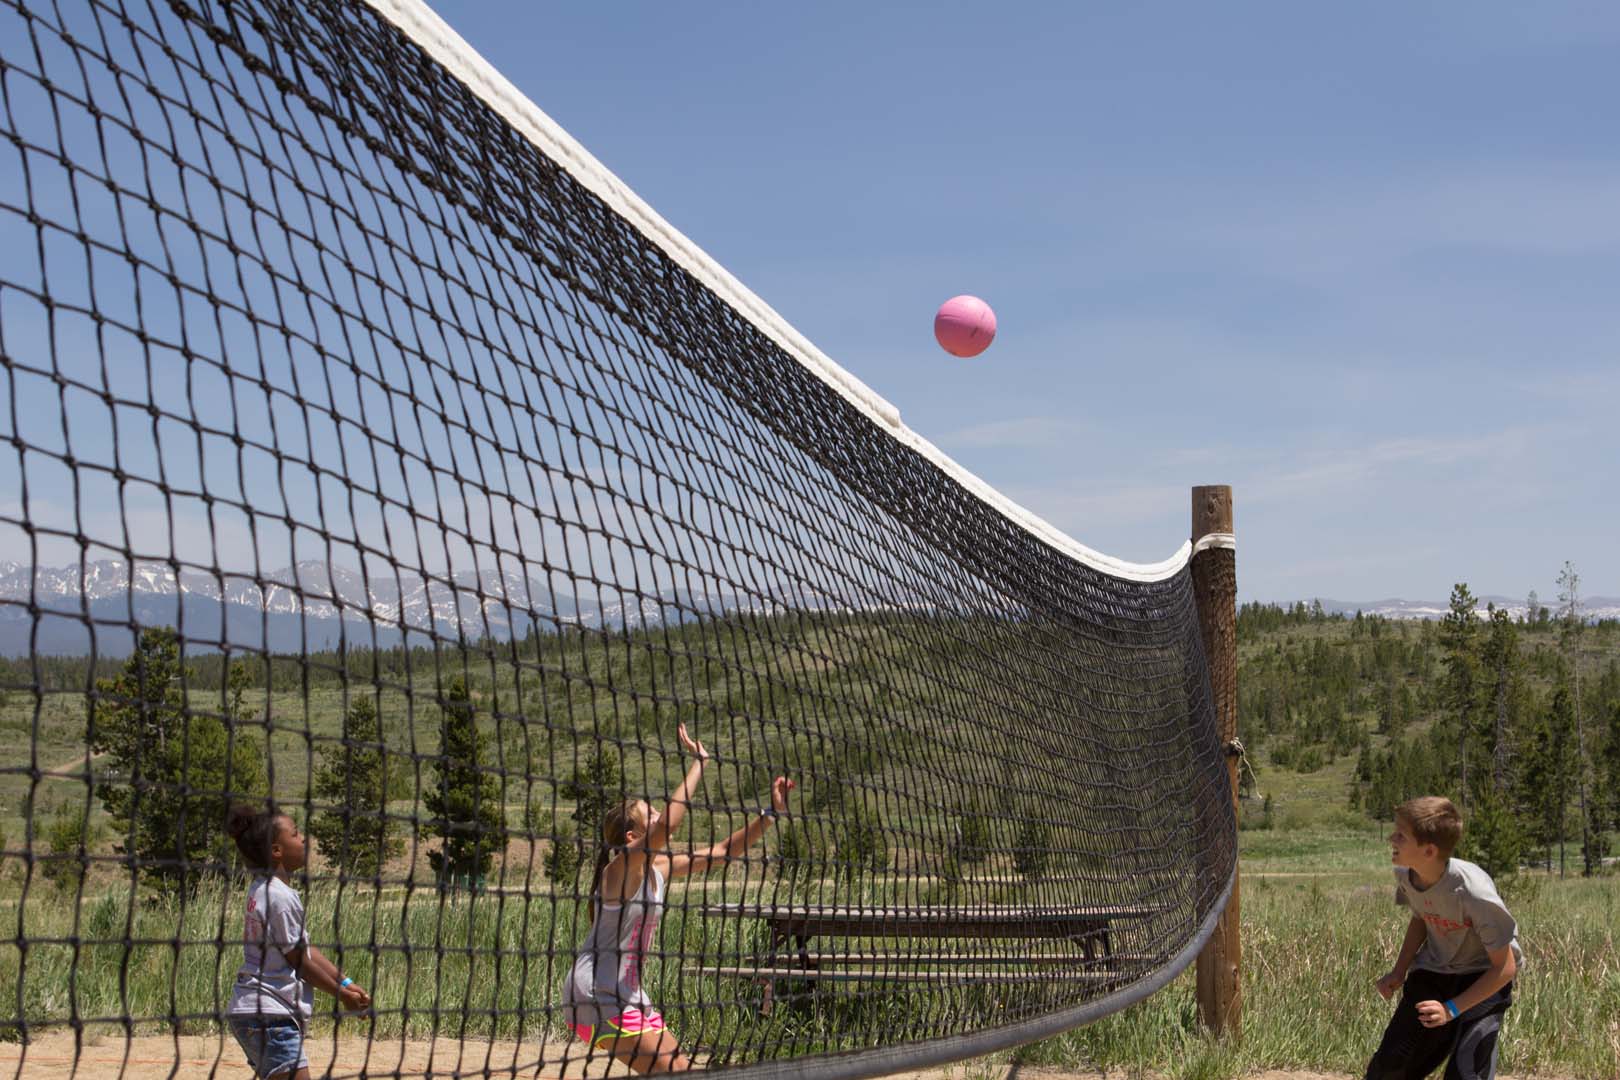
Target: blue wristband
350,982
1451,1007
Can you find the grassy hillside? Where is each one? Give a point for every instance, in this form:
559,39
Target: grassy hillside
1357,714
906,720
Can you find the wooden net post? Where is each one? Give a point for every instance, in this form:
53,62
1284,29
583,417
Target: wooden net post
1214,575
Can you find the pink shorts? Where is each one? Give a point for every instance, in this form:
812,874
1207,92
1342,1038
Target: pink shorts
628,1024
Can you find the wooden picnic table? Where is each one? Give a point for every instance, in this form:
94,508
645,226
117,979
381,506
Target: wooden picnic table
1088,925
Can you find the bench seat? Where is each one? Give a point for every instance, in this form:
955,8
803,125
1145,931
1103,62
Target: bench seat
955,977
816,960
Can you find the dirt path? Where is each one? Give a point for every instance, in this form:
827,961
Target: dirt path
71,769
198,1057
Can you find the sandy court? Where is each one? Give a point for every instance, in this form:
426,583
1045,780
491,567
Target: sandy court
194,1057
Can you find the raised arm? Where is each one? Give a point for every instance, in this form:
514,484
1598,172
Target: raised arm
738,842
658,836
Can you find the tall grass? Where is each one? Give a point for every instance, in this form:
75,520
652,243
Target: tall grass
1310,956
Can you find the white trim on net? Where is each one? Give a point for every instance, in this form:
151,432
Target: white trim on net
1215,540
423,26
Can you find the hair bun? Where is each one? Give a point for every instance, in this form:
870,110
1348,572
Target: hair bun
239,820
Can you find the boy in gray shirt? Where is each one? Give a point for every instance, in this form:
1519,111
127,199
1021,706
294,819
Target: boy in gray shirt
1461,951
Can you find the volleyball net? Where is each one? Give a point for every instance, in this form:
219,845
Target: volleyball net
369,448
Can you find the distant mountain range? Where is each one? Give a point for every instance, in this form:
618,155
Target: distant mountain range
311,606
1593,608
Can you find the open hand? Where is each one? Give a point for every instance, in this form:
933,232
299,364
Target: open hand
1432,1014
1390,983
779,793
354,997
692,745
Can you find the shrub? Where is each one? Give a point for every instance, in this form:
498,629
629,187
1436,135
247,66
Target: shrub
536,816
563,860
1032,851
862,846
68,840
801,849
973,839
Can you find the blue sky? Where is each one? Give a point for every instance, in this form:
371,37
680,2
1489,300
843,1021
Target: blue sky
1359,262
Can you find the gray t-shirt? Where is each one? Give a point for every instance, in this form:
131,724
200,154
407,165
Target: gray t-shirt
1464,915
266,985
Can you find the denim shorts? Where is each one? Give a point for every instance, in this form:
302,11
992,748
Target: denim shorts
274,1045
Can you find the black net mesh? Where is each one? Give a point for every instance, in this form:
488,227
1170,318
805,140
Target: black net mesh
358,457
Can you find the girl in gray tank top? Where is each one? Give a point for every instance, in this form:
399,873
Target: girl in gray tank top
604,999
605,994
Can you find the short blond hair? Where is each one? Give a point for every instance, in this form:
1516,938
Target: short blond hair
1432,819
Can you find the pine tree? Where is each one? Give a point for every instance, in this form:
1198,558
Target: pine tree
1610,764
1558,755
173,769
596,787
1459,636
465,802
1495,837
1569,595
1389,715
356,778
1504,688
1594,840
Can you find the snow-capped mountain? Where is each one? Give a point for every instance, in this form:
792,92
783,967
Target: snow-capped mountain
308,605
314,605
313,588
1593,608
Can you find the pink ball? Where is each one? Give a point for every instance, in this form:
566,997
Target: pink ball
964,326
